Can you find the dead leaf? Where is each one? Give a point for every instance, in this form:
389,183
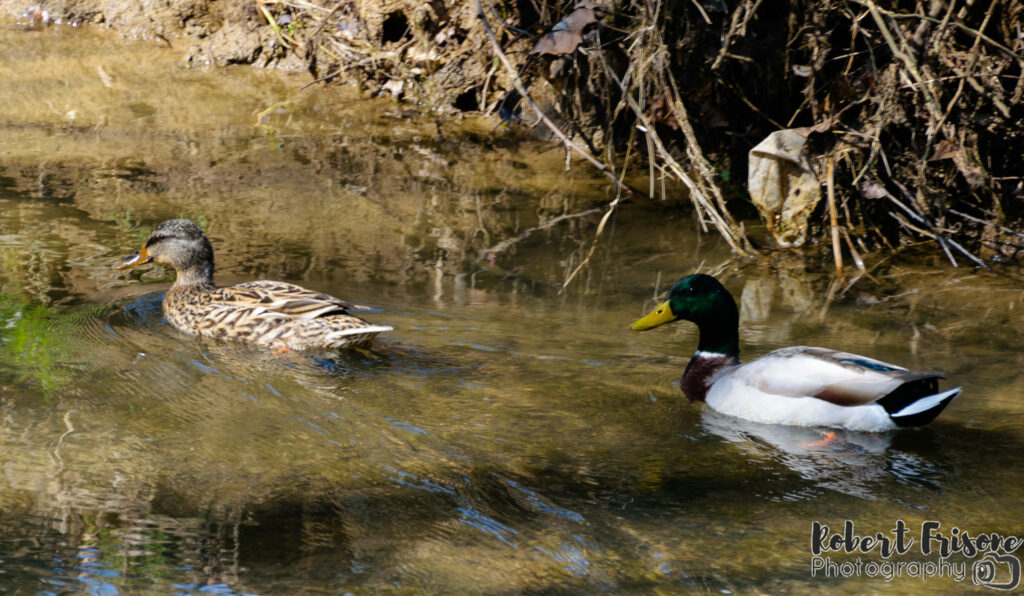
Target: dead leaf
823,126
783,186
577,20
802,70
395,87
567,34
869,189
946,149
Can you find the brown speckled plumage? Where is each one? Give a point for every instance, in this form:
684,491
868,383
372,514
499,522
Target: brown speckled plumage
271,313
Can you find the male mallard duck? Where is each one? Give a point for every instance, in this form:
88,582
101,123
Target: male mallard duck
270,313
797,385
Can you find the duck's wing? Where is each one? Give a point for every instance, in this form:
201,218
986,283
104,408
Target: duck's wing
297,324
839,378
288,300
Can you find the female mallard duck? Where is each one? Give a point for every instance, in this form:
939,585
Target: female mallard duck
270,313
797,385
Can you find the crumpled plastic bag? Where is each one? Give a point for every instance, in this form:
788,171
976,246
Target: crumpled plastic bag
783,186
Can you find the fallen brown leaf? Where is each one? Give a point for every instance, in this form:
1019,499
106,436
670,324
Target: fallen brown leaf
567,34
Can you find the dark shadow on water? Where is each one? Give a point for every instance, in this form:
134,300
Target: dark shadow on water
323,534
145,311
318,533
385,356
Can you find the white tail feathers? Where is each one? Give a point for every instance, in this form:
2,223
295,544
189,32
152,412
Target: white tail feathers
926,403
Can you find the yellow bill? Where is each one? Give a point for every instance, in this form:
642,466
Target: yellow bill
659,316
138,257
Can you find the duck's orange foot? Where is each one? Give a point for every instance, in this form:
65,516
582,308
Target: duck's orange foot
282,350
828,439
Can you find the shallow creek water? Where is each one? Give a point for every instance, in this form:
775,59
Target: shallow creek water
504,438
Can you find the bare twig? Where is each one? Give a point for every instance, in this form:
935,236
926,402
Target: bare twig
830,185
853,252
961,26
518,83
899,50
699,198
736,237
973,60
737,27
593,245
505,244
987,223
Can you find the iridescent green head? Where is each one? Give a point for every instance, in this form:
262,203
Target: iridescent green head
702,299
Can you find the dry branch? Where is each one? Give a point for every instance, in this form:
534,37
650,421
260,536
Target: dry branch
916,95
518,83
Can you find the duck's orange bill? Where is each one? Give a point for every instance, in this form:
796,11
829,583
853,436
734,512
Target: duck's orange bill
659,316
139,257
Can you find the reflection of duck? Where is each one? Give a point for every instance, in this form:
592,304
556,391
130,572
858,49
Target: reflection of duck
271,313
851,462
797,385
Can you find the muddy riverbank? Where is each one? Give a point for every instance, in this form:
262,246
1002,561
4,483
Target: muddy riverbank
912,112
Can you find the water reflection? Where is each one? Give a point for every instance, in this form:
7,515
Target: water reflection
505,438
856,463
